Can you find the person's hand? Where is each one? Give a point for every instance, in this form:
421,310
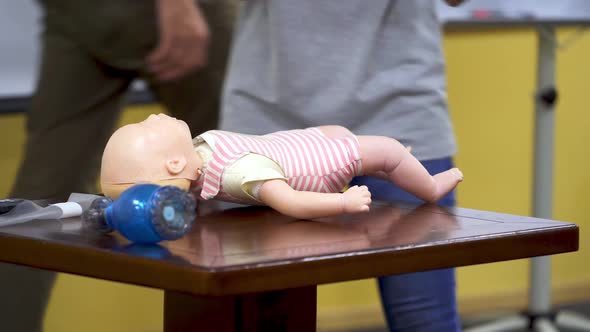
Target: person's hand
183,41
454,3
356,199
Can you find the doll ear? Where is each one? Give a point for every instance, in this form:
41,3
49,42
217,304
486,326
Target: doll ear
175,165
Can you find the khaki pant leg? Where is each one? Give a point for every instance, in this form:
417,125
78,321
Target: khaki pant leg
196,97
25,293
73,113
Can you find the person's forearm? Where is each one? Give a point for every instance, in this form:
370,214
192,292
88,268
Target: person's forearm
175,3
175,9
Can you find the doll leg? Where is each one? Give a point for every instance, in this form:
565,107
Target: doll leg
386,158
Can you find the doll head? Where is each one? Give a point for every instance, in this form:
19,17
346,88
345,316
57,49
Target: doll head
157,150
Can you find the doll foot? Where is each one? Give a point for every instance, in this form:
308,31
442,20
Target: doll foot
446,182
458,173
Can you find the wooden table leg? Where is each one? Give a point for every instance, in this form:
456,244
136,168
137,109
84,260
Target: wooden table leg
284,310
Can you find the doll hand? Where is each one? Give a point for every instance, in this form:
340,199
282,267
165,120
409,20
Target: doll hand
356,199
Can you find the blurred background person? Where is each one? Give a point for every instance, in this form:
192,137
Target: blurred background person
91,53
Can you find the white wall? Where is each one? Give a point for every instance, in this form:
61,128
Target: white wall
19,35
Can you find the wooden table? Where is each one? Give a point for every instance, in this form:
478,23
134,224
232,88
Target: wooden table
251,269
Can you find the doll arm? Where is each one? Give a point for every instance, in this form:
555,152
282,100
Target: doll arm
309,205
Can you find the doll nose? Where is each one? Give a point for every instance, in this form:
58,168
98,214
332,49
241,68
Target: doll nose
164,116
160,116
153,117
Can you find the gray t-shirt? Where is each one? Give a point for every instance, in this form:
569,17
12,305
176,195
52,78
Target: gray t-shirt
373,66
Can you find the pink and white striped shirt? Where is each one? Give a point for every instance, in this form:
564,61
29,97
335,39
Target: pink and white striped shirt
310,160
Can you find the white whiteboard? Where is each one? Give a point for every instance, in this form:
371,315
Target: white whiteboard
19,40
558,11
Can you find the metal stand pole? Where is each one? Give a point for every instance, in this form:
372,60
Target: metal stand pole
540,268
540,316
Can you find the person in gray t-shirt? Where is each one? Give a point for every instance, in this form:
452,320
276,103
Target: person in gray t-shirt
375,67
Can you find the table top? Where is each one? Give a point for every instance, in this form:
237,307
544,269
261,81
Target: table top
252,249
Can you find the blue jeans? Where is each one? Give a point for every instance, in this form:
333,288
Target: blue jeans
421,301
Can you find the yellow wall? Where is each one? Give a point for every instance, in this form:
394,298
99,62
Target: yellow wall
490,95
491,84
491,78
